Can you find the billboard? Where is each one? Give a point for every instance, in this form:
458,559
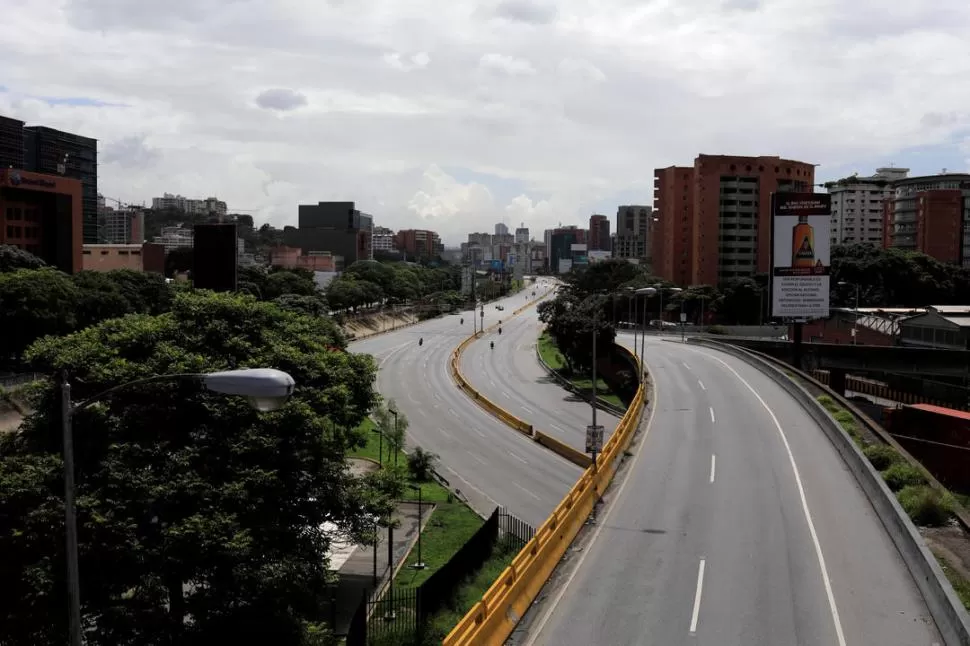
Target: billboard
496,265
800,255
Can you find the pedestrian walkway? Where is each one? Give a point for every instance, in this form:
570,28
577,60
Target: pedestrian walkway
365,569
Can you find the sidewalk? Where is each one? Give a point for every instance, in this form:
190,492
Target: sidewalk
360,571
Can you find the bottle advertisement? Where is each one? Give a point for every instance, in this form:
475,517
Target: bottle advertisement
801,251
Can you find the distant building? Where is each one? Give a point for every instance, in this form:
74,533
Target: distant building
176,237
931,215
293,258
336,227
714,218
418,243
11,143
190,206
599,233
521,235
383,239
138,257
501,229
857,206
562,254
42,214
632,240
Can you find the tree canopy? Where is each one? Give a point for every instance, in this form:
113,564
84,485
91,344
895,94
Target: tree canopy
368,282
13,258
200,519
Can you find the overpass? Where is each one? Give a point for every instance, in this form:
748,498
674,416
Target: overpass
843,358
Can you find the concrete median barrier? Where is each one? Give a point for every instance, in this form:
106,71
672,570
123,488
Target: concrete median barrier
576,457
494,617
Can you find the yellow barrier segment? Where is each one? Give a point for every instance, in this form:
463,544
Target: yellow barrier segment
575,456
492,620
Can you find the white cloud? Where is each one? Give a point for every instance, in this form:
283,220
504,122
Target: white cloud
558,109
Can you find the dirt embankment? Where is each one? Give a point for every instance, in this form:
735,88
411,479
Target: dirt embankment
373,324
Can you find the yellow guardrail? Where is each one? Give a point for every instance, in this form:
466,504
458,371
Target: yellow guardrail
492,620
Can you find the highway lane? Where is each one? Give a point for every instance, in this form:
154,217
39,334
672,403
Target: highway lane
489,462
713,539
510,376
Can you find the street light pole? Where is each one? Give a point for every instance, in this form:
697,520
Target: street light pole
592,397
265,388
420,564
397,449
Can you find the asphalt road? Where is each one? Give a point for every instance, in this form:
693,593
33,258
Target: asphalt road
489,462
510,376
715,538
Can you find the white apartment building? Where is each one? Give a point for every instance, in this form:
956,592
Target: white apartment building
176,237
382,239
857,206
190,206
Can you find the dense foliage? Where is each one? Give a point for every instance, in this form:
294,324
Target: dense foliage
368,282
200,518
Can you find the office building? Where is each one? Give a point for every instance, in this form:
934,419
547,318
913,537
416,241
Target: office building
501,229
54,152
176,237
42,214
632,240
521,235
713,219
857,206
418,243
336,227
599,233
11,143
931,215
383,240
567,248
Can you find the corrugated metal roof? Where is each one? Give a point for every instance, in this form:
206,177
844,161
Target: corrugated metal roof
939,410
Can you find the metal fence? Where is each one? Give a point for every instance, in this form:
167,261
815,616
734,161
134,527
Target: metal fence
401,616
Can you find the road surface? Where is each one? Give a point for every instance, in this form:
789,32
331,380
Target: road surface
489,462
510,376
714,538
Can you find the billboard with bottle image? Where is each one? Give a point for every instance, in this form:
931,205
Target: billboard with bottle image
801,255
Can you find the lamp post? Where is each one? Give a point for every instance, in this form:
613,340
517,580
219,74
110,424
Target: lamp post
647,292
660,290
396,448
266,389
855,321
419,565
380,445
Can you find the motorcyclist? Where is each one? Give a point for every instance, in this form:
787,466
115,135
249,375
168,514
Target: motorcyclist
492,343
421,341
461,321
500,330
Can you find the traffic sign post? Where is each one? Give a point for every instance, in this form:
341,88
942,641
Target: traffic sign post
594,439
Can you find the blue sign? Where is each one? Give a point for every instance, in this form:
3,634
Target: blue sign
496,265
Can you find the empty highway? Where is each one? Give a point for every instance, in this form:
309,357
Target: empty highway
511,376
737,524
489,462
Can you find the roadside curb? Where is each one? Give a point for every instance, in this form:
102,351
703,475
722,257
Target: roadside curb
565,384
946,608
515,423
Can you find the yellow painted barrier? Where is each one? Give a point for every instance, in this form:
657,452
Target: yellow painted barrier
492,620
575,456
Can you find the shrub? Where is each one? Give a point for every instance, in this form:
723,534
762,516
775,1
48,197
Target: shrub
421,463
882,456
829,404
901,475
926,506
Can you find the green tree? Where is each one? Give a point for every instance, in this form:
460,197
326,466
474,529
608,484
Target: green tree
34,303
13,258
392,424
189,504
98,298
572,321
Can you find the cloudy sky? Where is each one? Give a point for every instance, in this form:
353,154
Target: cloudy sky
453,115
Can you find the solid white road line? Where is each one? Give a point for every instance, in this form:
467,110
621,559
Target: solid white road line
551,608
697,597
712,415
713,466
701,384
801,493
685,365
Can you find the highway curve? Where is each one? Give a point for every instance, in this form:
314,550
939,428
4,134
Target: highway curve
489,462
510,376
714,537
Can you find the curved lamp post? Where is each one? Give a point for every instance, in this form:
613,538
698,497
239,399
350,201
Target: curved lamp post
644,291
266,389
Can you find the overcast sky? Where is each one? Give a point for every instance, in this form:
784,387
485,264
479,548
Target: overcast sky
453,115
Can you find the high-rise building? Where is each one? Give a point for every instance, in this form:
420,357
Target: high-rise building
418,243
11,143
521,235
561,248
599,233
55,152
932,215
857,206
714,219
501,229
336,227
632,238
41,214
383,239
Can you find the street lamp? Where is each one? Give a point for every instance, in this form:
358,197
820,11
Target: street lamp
266,389
396,448
644,291
420,564
380,445
660,290
855,321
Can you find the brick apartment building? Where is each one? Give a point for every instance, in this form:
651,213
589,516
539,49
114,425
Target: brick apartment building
929,215
599,233
418,243
712,220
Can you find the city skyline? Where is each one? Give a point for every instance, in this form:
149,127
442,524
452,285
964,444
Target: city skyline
452,119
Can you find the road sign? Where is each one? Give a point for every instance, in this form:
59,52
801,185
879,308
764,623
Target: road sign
683,317
594,439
